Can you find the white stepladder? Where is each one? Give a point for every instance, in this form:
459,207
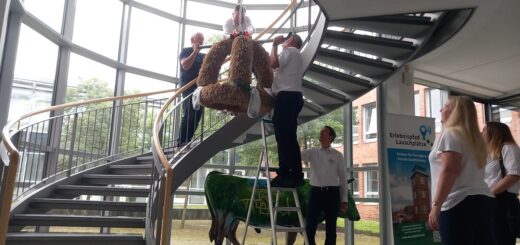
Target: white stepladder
273,209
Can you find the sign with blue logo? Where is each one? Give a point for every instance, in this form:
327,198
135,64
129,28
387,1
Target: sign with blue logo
408,142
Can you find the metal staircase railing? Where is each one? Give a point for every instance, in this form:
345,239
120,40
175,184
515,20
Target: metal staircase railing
78,136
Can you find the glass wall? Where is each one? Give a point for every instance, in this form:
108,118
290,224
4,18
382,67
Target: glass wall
49,11
104,39
509,116
154,49
34,75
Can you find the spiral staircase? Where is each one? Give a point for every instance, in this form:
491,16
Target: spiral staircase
343,59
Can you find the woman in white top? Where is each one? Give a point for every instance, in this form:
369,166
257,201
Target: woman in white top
462,204
503,181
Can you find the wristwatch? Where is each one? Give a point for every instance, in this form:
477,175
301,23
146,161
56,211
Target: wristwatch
435,204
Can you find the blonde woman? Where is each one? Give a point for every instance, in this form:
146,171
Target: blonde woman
462,204
502,175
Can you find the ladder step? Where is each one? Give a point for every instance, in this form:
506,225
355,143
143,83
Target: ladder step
283,189
286,209
279,228
267,120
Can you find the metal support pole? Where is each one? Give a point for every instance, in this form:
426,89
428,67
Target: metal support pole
385,222
349,161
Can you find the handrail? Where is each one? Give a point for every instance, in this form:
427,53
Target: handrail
12,153
5,132
159,150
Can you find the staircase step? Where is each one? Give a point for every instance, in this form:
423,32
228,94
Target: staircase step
149,158
129,169
75,220
310,110
31,238
323,96
341,81
145,159
77,190
397,25
378,46
53,203
106,179
375,69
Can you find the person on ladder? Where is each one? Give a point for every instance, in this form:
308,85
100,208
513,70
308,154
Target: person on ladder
287,89
328,176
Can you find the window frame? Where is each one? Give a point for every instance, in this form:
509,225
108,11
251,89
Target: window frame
369,137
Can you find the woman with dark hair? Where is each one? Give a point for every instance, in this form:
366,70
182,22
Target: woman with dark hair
502,176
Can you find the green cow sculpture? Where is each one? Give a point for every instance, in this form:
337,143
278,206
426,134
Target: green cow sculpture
228,200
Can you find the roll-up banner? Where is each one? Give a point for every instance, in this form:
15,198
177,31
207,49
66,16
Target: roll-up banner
408,142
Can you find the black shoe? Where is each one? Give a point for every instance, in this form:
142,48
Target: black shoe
283,182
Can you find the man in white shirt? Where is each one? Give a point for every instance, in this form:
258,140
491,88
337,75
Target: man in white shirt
328,176
287,88
238,22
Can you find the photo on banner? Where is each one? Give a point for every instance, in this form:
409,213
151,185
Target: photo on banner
408,141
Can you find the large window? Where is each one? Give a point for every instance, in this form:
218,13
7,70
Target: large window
370,122
34,75
48,11
169,6
355,126
434,104
505,115
417,103
154,48
510,117
104,38
355,184
135,84
89,79
210,36
371,182
209,13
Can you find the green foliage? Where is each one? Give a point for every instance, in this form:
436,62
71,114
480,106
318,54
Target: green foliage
93,123
215,38
308,136
249,154
363,226
308,133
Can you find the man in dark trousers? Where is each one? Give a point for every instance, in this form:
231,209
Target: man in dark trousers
328,176
190,61
287,88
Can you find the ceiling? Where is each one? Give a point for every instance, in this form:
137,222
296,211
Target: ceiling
482,59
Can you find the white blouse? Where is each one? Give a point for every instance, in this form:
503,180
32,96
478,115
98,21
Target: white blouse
511,156
471,179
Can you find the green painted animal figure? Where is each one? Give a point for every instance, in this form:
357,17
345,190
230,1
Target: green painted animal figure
228,200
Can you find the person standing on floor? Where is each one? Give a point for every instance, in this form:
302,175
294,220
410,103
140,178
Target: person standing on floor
328,176
287,88
190,62
502,176
462,204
